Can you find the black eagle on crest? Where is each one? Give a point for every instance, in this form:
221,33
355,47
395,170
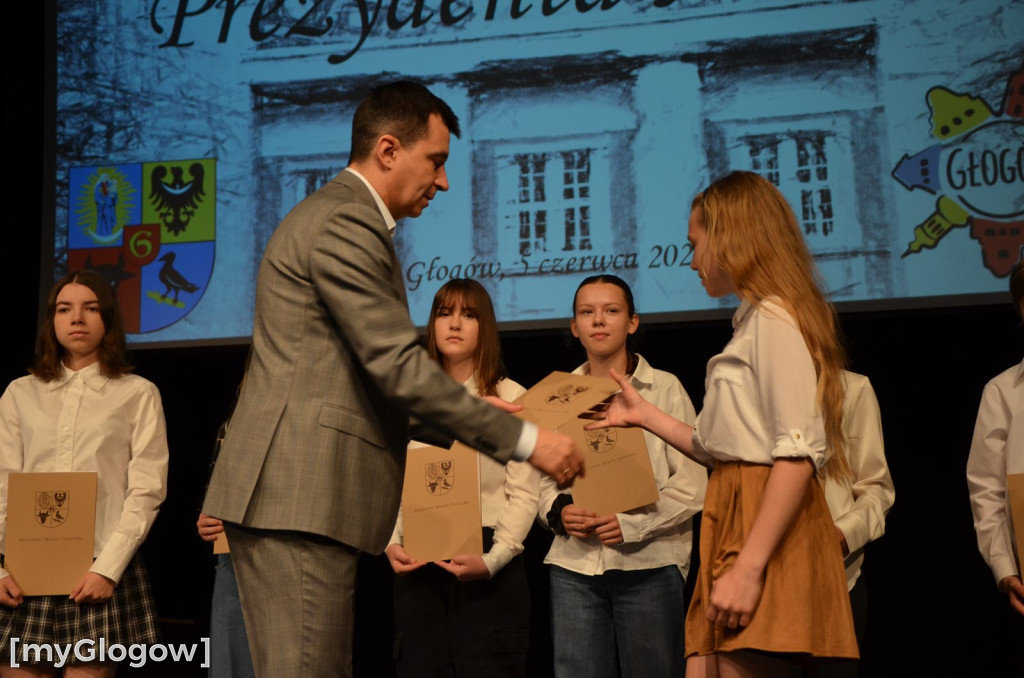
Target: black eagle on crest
176,200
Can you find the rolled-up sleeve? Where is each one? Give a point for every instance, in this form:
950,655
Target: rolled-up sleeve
787,389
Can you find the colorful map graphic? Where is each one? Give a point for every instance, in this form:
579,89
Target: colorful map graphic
977,172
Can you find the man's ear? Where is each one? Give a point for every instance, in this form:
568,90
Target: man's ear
385,150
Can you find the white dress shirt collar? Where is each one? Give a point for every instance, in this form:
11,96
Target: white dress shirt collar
384,211
91,375
741,313
643,374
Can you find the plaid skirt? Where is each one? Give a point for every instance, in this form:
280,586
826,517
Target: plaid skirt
128,618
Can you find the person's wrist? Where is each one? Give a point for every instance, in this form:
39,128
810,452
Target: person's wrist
554,516
648,413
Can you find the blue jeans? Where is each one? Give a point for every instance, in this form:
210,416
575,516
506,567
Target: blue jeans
229,644
620,623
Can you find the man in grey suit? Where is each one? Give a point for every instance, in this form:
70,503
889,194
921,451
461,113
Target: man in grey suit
310,472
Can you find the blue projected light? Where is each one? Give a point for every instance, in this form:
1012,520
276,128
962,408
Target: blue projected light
192,128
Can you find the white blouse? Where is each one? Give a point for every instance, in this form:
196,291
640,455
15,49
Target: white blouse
508,495
997,449
84,421
656,535
761,402
859,507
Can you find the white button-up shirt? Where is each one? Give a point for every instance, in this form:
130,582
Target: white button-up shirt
84,421
761,402
859,507
997,449
656,535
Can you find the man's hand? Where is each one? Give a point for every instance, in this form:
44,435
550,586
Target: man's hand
209,527
93,588
401,561
10,592
556,455
466,568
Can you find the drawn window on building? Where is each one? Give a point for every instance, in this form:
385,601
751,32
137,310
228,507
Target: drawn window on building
533,227
797,162
764,157
812,174
576,195
551,201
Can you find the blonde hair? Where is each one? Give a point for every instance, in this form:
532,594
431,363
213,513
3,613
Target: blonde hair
754,237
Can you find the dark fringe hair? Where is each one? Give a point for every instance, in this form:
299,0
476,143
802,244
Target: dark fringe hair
113,352
631,339
488,367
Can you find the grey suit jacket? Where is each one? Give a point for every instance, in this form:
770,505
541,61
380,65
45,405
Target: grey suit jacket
317,441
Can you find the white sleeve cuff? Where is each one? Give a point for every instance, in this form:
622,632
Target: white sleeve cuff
527,442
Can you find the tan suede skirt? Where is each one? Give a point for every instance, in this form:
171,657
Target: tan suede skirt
805,607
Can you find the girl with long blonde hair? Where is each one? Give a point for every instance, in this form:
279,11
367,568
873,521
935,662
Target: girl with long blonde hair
771,587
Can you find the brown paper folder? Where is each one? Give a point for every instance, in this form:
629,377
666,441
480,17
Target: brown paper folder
561,396
1015,490
619,476
441,503
221,545
51,519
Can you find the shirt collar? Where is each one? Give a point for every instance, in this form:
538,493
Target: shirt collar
384,211
643,374
1020,372
741,313
91,376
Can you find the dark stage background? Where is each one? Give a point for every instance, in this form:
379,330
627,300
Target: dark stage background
934,608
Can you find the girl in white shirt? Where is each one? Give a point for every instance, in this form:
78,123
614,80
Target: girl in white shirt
470,616
771,587
81,410
617,580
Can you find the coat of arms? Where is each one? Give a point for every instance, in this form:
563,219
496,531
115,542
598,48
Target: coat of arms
600,440
440,477
52,508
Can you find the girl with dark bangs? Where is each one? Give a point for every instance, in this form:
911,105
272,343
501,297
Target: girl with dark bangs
470,616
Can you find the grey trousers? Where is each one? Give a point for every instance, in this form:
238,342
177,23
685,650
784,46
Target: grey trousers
297,591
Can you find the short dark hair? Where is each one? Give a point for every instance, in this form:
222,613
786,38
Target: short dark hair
401,109
113,353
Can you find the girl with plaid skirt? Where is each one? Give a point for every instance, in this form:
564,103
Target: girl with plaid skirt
82,410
